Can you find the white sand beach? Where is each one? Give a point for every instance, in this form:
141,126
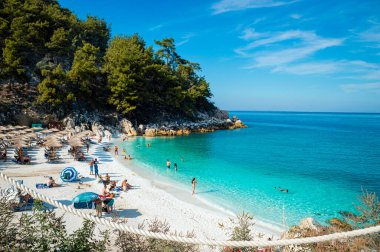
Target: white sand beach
147,201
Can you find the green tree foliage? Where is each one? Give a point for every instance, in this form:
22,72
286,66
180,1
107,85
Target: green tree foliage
85,76
74,62
52,90
126,60
43,230
95,32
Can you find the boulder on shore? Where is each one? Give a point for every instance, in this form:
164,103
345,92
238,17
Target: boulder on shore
98,129
309,223
150,132
69,123
126,127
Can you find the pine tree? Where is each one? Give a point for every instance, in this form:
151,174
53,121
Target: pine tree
53,94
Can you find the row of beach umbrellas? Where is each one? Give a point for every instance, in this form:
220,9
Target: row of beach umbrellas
21,136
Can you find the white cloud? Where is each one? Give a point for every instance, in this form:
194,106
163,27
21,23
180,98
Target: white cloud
290,55
371,35
372,87
157,27
292,51
308,68
250,34
236,5
270,38
185,39
295,16
356,68
299,45
373,75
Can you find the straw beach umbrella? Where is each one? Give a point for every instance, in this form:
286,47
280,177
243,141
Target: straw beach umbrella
75,142
53,143
20,144
9,135
32,135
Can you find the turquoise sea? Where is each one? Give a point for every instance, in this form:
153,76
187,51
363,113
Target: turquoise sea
323,159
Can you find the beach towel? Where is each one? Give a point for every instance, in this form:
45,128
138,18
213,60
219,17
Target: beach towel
41,186
111,202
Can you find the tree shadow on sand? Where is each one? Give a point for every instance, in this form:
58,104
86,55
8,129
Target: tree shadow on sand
127,213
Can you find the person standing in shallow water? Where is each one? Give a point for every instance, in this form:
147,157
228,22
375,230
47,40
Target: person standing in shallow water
168,164
96,168
194,183
91,167
175,167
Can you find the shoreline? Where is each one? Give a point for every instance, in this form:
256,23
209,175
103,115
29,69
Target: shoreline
150,200
179,191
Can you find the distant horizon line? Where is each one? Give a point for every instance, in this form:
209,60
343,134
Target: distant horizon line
293,111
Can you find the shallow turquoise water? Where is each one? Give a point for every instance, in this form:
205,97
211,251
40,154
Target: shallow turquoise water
323,159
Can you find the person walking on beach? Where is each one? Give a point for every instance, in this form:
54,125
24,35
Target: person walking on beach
168,163
98,208
175,167
91,167
116,150
88,147
194,183
96,168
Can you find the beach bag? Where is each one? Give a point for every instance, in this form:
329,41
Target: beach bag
41,186
83,205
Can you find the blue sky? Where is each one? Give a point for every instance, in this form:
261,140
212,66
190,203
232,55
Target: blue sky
283,55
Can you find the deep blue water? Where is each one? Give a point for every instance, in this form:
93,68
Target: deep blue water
323,159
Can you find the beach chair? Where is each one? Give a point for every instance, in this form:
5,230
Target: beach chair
18,200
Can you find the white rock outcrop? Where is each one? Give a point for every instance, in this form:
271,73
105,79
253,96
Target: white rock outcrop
127,128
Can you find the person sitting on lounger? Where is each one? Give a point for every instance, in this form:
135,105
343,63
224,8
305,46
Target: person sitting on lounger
125,186
51,183
106,193
4,155
108,178
112,186
81,157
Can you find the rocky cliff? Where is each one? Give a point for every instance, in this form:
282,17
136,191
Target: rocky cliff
206,122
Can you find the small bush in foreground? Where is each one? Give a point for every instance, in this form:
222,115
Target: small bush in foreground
128,242
241,231
43,230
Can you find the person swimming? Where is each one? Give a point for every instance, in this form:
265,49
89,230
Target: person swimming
281,189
